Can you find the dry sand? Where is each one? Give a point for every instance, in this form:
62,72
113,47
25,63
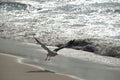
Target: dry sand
10,69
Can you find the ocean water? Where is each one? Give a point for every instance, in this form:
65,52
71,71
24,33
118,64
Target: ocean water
57,22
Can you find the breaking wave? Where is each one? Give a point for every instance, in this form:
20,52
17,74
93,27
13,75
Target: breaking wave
9,6
98,46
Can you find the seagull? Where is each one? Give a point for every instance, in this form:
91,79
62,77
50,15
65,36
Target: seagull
54,52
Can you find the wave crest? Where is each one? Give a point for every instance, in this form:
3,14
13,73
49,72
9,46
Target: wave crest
14,6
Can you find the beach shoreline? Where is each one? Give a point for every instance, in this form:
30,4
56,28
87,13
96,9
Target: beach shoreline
12,68
69,65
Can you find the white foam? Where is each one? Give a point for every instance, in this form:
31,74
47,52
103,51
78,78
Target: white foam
59,22
88,56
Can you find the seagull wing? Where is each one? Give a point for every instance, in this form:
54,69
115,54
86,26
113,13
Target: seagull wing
67,45
59,48
42,45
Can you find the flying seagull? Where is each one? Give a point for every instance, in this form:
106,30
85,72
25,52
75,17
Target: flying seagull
54,52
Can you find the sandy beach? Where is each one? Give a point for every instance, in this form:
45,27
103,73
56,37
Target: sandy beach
10,69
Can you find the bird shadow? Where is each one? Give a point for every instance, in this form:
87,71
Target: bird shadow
40,71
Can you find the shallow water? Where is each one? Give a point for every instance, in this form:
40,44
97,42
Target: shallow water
86,70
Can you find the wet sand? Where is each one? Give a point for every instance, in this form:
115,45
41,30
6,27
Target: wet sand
11,69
